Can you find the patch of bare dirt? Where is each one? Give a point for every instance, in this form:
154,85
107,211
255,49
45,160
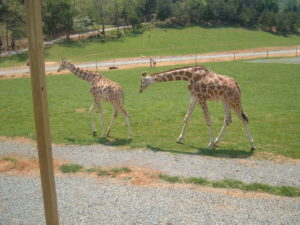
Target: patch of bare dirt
274,157
17,139
13,164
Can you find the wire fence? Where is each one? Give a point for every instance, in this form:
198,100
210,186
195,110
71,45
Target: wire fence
198,58
153,61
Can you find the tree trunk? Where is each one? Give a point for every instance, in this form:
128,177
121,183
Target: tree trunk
103,30
6,33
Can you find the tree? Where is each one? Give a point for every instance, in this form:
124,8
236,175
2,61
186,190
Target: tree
116,14
59,16
12,15
248,17
147,8
163,9
131,13
268,20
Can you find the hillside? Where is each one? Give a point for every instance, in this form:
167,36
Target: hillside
156,42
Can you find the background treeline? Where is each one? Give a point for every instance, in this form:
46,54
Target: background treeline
69,16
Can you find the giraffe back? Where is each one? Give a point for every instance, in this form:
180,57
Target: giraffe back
207,85
108,90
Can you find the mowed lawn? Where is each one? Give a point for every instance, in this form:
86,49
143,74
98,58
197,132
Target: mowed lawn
159,42
270,97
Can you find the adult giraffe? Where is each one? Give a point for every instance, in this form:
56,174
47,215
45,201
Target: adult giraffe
101,89
205,85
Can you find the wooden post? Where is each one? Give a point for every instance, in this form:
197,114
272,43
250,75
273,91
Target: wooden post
39,94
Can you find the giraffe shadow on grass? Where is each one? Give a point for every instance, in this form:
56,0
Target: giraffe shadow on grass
102,140
218,152
113,141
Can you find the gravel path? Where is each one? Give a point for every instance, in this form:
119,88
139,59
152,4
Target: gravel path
246,170
90,201
85,201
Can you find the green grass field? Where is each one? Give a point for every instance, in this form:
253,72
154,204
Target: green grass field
270,97
158,42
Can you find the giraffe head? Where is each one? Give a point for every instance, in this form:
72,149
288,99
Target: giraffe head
146,80
63,65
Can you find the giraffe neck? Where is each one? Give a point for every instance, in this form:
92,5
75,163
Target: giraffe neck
176,74
83,74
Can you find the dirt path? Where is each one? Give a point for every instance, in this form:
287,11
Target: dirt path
249,170
139,197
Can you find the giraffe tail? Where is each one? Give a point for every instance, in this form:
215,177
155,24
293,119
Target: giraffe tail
245,117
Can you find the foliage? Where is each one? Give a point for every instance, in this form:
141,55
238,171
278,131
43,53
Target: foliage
67,16
12,16
241,12
59,17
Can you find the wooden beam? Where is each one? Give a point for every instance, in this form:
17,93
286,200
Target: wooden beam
40,103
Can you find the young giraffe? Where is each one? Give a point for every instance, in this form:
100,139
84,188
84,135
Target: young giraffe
101,89
205,85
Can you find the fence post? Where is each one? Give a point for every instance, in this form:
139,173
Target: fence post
40,105
267,53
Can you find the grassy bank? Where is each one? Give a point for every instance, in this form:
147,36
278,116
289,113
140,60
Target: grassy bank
159,42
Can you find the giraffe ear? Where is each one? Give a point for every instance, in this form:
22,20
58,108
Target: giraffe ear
144,74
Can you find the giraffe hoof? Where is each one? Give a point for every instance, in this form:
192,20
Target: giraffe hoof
212,145
252,148
179,141
94,133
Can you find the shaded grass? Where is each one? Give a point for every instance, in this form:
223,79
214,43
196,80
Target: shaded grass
270,97
157,42
235,184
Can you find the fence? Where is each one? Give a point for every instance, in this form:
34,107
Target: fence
143,61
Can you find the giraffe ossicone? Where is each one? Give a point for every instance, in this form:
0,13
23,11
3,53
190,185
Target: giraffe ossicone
102,89
205,85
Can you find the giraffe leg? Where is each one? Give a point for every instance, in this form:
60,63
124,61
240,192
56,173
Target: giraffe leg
102,119
92,109
227,121
208,122
113,117
244,118
186,118
126,117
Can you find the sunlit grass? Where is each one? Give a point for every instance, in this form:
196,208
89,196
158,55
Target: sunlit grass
270,97
157,42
